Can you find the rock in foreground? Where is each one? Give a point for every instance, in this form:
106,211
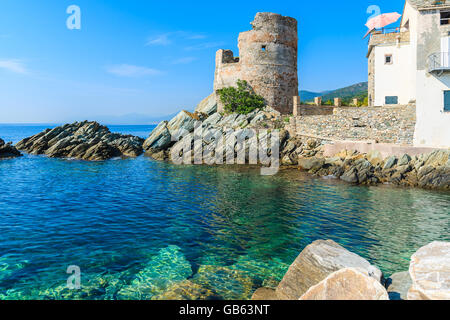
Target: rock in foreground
7,150
82,140
430,272
398,285
317,261
347,284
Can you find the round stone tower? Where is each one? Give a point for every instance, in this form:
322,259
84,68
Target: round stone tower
268,61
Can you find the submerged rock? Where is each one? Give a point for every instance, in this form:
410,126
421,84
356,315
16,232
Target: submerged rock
7,150
82,140
186,290
347,284
168,267
315,263
430,272
229,284
9,265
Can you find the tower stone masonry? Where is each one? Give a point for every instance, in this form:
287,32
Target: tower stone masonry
267,61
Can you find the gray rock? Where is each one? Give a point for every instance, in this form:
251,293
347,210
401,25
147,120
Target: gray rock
430,272
310,163
404,160
259,117
390,163
182,122
350,176
159,139
438,158
212,120
208,105
398,285
82,140
315,263
7,150
347,284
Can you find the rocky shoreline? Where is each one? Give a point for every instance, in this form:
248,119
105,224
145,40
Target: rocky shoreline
94,142
82,140
326,271
7,150
431,171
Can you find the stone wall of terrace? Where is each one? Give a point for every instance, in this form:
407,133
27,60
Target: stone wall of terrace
394,124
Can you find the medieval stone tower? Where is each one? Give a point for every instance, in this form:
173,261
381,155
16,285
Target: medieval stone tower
268,61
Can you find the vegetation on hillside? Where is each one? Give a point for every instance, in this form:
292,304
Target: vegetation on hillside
347,94
240,99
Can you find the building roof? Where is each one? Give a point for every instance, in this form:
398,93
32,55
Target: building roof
428,4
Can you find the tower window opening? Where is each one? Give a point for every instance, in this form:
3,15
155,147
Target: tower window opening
264,48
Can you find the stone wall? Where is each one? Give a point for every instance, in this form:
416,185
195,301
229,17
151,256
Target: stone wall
383,124
267,61
313,110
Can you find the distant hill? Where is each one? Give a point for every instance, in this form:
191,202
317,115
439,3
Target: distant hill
358,90
132,119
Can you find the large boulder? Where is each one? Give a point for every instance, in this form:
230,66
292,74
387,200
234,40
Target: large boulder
265,294
159,139
398,285
310,163
82,140
437,158
208,105
315,263
184,120
347,284
7,150
430,272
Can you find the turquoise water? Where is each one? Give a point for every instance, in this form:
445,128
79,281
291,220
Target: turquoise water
136,227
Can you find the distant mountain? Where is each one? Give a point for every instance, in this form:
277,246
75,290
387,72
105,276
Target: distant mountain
132,119
358,90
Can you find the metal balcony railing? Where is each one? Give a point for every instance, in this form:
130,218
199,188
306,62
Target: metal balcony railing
439,62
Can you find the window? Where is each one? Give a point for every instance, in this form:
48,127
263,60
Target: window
445,18
447,101
388,59
391,100
264,48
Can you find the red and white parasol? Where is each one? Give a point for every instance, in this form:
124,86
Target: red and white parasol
381,21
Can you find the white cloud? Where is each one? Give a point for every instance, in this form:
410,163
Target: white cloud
196,36
203,46
160,40
168,38
184,60
127,70
13,65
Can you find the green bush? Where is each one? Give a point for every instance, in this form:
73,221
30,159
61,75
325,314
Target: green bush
240,99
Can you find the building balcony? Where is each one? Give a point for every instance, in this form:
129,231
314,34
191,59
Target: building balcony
439,62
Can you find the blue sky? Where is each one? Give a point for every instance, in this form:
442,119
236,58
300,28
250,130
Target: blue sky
153,58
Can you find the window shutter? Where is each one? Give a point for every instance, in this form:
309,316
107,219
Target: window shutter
447,101
391,100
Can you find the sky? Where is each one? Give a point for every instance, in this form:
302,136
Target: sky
139,59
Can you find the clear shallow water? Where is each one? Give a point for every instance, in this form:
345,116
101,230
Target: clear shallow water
137,226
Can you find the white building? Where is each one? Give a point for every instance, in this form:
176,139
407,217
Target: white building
412,64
